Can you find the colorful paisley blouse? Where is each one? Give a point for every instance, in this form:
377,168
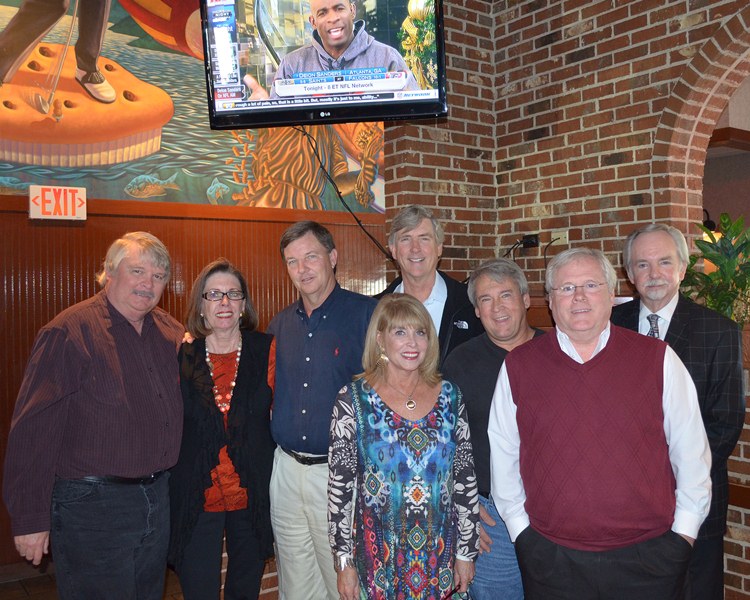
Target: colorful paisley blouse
416,495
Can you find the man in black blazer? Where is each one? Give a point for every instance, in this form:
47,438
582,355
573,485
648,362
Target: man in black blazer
710,346
416,245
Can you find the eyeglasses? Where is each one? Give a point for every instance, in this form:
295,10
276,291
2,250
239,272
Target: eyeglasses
218,295
590,287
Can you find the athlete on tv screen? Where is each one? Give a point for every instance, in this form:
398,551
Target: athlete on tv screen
339,43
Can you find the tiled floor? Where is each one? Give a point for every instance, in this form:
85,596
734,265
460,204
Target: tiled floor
24,581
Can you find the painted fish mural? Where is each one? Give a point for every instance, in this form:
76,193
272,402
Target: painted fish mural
148,186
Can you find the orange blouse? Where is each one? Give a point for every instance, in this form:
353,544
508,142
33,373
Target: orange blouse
225,493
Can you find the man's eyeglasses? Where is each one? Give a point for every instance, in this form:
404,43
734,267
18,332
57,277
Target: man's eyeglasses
218,295
590,287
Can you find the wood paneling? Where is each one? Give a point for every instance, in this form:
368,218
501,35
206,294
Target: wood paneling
539,315
50,265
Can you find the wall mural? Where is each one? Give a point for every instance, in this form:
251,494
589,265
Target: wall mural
141,131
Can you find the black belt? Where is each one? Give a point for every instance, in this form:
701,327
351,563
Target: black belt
308,461
124,480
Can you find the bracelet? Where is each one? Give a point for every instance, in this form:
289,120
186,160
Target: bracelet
342,561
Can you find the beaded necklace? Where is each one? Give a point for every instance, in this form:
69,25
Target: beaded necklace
224,401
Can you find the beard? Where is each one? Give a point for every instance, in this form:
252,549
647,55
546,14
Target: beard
657,289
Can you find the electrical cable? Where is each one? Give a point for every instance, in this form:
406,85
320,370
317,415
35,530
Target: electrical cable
544,252
314,147
512,248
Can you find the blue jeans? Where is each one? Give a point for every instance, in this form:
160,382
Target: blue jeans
109,540
497,573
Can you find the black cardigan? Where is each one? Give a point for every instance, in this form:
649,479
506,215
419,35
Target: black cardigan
247,437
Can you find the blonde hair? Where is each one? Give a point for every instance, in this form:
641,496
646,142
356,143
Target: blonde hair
399,310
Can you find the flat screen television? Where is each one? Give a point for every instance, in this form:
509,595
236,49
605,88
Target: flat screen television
273,62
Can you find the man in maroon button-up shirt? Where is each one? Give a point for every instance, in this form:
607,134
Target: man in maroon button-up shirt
97,420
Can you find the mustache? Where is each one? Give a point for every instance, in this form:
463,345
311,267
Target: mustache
145,294
655,282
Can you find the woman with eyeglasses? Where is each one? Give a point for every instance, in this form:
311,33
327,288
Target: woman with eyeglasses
403,505
220,483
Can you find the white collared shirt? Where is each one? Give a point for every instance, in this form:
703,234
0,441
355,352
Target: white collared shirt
435,303
665,317
566,345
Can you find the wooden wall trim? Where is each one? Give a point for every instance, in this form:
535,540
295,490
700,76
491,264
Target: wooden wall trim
201,211
730,137
538,314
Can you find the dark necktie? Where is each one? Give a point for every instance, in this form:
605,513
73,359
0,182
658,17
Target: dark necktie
653,330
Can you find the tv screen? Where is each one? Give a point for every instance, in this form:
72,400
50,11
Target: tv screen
297,62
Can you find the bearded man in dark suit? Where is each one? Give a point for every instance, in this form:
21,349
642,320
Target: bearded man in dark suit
710,346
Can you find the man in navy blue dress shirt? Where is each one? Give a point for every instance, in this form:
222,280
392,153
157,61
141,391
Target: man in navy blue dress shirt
319,345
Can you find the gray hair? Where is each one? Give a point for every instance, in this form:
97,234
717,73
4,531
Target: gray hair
410,217
145,243
497,269
572,254
673,232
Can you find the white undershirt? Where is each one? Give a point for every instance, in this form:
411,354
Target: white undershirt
435,303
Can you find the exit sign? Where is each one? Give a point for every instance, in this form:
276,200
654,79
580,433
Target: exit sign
57,202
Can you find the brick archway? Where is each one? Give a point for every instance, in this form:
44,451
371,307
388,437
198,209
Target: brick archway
689,118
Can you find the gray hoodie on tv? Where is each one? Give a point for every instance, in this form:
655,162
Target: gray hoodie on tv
363,52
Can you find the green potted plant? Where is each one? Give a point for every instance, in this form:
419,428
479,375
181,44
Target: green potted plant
724,284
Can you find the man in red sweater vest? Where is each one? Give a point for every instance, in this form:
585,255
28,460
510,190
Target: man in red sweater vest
600,461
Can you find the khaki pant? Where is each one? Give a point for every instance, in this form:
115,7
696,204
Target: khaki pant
299,515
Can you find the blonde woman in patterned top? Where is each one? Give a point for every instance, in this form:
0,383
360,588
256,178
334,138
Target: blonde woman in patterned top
402,500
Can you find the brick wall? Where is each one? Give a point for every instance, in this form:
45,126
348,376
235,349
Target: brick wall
590,116
450,163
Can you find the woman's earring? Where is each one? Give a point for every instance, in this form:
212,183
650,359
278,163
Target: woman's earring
383,358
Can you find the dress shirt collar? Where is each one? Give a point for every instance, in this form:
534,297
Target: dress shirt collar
665,317
566,345
117,318
323,308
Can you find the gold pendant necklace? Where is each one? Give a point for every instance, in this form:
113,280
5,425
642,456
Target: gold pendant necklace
411,404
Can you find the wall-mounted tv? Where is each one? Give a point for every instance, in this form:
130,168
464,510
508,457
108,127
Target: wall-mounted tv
297,62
